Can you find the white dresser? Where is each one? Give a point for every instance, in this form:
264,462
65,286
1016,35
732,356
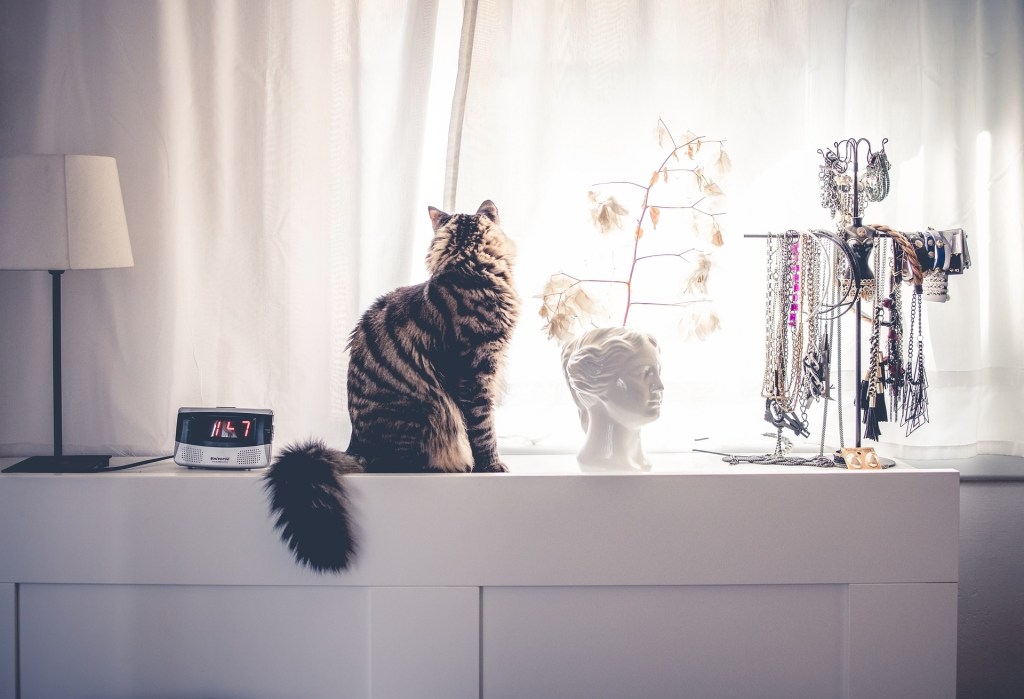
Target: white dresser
698,579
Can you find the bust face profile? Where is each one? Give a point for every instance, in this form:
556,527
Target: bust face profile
614,376
635,397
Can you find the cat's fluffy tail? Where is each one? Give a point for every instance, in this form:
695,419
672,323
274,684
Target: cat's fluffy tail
311,505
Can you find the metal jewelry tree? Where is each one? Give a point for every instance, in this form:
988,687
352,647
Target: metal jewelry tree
816,278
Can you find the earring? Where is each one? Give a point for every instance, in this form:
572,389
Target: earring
861,458
829,192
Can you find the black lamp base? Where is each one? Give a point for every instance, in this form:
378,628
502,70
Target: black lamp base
59,462
77,463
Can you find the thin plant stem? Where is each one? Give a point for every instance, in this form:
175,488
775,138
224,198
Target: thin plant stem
661,172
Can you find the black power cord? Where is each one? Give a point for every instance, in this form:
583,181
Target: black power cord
72,465
124,467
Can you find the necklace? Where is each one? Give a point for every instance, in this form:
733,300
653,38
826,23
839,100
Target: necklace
894,367
873,387
785,308
798,328
915,387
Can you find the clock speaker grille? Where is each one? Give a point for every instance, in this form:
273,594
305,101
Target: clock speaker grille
250,457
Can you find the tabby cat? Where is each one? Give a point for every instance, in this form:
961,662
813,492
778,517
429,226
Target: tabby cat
423,377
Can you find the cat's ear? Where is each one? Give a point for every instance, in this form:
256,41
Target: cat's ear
489,210
437,217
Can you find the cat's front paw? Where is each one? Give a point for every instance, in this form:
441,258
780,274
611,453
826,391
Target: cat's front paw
495,466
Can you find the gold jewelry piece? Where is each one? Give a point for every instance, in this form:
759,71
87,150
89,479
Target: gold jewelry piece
861,458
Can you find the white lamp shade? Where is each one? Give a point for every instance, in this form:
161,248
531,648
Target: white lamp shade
62,212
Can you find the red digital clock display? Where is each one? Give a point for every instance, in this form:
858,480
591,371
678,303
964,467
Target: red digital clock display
224,428
230,429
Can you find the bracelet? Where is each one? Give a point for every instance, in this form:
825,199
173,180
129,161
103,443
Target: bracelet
956,251
911,268
929,246
941,258
920,251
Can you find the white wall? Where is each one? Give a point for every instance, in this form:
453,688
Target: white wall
991,635
990,652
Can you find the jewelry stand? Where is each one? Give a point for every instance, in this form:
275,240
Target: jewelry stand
844,195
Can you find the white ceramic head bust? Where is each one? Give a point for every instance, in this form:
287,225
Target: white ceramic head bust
614,376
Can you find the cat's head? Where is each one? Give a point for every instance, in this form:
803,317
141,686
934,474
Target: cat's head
469,241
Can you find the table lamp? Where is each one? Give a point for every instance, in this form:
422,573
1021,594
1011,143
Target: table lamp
61,212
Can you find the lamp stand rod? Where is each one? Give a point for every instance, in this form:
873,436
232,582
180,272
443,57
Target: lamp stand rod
58,437
58,463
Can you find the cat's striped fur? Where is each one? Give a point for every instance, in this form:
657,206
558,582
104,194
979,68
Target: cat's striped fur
423,378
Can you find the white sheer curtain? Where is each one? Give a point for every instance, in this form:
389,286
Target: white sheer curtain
561,95
268,154
272,161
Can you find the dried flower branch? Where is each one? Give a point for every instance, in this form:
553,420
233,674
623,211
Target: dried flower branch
606,212
566,305
568,308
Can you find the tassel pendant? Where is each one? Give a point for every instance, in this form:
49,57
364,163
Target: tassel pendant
879,405
881,415
871,430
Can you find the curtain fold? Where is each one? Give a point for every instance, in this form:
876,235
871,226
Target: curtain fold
458,113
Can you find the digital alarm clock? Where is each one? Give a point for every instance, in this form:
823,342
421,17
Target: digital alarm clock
223,438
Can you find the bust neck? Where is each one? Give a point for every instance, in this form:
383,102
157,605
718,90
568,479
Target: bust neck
611,445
